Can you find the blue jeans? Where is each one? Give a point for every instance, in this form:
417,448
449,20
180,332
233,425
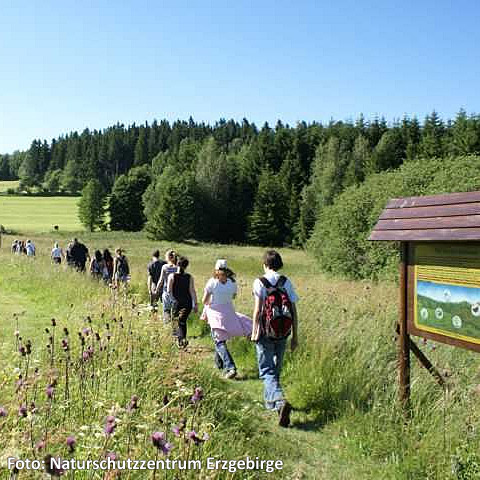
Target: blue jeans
270,354
224,354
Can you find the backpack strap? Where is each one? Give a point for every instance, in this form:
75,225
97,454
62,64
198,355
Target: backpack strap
281,281
265,282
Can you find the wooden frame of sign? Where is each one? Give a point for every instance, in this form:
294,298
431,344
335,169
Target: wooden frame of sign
439,273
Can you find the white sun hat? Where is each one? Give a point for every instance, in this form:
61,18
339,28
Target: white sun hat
221,264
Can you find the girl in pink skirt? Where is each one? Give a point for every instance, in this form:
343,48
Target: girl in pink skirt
218,310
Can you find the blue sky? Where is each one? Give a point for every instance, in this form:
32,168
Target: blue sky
68,65
448,293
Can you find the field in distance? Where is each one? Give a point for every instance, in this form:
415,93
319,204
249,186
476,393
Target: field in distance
6,184
39,214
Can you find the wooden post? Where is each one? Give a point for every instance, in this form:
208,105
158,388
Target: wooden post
403,338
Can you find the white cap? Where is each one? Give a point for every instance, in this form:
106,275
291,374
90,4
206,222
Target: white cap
220,264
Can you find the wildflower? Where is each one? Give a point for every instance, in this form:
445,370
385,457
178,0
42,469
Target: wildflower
28,347
17,333
206,437
54,322
111,455
177,429
159,441
47,330
3,412
86,331
85,355
110,425
165,399
195,438
33,407
22,350
65,344
49,391
71,443
65,331
22,411
197,396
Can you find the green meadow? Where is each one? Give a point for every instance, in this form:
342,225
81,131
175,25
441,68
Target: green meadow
39,214
341,381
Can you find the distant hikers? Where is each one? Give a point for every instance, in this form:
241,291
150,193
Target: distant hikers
167,269
181,289
224,322
121,269
274,320
57,254
154,270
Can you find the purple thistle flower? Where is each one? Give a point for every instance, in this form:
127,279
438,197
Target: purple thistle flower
65,344
54,322
71,443
49,391
110,425
197,395
85,356
111,455
33,407
3,412
176,431
22,411
194,437
159,441
22,350
206,437
86,331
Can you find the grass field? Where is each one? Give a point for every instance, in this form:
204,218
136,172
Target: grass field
39,214
6,184
341,381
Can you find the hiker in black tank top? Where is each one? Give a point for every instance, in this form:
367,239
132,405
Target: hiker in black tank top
181,287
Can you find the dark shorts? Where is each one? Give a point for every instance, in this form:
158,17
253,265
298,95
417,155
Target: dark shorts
57,260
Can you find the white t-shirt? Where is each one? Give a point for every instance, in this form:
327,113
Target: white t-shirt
30,247
56,252
222,293
260,291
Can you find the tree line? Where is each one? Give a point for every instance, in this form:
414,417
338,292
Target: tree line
233,181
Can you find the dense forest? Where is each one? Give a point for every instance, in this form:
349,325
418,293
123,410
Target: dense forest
235,182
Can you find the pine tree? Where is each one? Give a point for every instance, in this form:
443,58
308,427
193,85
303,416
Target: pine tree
91,205
267,223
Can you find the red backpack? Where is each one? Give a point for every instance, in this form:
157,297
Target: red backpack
277,312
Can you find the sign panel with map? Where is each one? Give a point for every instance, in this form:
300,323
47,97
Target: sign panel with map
446,292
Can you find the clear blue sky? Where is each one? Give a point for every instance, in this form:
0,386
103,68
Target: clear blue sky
68,65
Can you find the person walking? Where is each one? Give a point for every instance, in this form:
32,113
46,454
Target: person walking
30,248
167,269
154,270
79,254
274,319
97,265
108,272
220,314
181,288
57,254
121,269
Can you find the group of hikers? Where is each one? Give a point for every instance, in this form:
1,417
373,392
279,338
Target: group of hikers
22,247
274,315
274,310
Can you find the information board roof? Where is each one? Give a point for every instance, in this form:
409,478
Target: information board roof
454,216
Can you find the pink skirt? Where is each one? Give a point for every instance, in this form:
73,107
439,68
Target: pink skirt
226,323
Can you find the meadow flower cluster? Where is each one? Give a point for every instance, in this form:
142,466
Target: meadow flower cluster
104,392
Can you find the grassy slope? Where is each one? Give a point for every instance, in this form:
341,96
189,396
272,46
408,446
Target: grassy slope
341,381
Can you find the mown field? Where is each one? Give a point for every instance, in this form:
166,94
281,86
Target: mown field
341,381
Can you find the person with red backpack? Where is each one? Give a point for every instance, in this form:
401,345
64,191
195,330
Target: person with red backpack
274,320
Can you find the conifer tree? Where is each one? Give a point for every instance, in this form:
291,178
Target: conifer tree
91,205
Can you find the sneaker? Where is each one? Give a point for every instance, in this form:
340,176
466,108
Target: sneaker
284,415
182,343
232,373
